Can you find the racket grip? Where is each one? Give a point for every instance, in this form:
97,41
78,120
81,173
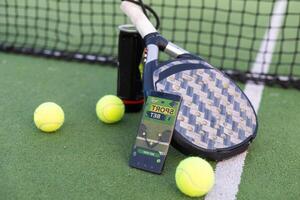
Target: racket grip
138,18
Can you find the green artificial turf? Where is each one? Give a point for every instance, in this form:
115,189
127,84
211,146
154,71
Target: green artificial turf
272,165
86,159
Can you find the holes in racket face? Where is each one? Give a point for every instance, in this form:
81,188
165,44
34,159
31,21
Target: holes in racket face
214,113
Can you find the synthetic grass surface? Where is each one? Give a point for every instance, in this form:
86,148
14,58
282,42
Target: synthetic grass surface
272,165
86,159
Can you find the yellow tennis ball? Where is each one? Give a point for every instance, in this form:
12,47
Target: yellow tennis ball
194,176
110,109
49,117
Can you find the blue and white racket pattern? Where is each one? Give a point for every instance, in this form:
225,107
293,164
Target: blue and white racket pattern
214,113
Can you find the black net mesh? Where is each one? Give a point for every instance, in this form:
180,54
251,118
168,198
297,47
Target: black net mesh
227,33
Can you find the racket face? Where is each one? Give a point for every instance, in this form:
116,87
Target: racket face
215,118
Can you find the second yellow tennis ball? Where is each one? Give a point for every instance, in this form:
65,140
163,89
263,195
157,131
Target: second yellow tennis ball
48,117
110,109
194,176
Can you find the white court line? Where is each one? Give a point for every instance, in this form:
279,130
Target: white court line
228,173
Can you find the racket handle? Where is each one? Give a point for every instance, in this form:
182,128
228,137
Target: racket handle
138,18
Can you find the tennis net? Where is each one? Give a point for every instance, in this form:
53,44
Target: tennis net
227,33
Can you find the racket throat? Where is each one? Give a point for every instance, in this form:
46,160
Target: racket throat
150,66
174,50
152,53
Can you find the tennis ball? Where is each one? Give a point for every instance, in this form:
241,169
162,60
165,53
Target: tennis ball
194,176
48,117
141,69
110,109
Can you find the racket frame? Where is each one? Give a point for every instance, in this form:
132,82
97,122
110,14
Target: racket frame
155,43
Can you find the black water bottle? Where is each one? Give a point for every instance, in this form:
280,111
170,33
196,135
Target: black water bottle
130,85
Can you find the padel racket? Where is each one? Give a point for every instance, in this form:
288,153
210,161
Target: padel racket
216,119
